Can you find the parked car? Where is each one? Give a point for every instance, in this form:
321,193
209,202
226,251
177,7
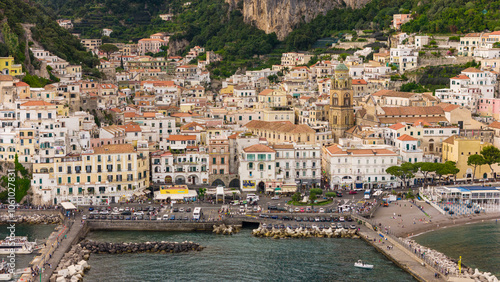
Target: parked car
341,219
91,208
84,217
353,192
339,194
188,210
181,210
321,210
175,209
139,213
275,198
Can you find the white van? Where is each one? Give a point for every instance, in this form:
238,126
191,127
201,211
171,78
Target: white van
165,217
252,197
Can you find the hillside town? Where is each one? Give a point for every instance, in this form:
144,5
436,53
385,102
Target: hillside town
154,131
335,124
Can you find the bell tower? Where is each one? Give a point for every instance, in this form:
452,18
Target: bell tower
341,102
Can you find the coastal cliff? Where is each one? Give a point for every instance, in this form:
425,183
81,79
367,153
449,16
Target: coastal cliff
281,16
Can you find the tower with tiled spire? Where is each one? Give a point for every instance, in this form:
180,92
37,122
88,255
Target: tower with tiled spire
341,102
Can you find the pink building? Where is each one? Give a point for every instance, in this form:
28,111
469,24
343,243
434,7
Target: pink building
489,107
218,150
400,19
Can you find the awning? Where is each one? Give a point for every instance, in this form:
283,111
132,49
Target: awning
277,189
68,206
289,188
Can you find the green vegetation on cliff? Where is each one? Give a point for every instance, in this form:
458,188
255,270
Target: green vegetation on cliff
44,29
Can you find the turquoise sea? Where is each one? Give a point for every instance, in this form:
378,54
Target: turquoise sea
478,244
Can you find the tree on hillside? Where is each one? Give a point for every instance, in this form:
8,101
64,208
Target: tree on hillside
475,161
405,172
108,49
491,156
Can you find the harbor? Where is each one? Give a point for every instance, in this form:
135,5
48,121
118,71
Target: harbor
59,247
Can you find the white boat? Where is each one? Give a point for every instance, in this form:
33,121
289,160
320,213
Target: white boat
20,245
361,264
5,271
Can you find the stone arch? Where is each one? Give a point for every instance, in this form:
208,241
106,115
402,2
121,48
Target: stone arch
179,179
261,187
234,183
218,182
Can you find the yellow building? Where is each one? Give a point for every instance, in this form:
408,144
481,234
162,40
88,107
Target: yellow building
7,66
103,175
227,91
26,144
278,132
459,149
271,98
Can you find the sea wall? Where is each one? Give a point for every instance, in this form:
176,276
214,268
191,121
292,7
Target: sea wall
148,225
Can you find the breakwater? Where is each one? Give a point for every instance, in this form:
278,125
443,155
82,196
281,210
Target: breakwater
72,266
445,264
225,229
148,247
32,218
304,232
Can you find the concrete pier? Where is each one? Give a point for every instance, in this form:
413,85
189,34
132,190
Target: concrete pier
401,256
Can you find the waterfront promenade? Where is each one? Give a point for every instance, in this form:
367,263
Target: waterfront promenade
58,243
400,255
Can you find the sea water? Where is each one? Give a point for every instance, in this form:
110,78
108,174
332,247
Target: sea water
241,257
478,244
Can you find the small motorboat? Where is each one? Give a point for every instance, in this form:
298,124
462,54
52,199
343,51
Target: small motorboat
361,264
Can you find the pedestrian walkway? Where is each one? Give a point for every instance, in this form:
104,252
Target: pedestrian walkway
58,243
401,255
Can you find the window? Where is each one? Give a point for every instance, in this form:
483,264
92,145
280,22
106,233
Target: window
250,165
261,167
222,161
214,160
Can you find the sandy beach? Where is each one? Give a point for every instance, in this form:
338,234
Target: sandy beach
404,219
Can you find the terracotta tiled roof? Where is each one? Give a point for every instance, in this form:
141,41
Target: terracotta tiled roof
280,126
412,111
283,146
460,76
266,92
359,82
448,107
22,83
449,140
495,124
132,127
191,126
182,115
149,115
258,148
36,103
6,77
114,149
471,70
391,93
397,126
181,137
406,137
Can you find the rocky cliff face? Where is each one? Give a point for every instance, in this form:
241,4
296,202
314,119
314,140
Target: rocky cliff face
281,16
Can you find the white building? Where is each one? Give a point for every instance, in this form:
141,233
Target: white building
257,168
358,167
